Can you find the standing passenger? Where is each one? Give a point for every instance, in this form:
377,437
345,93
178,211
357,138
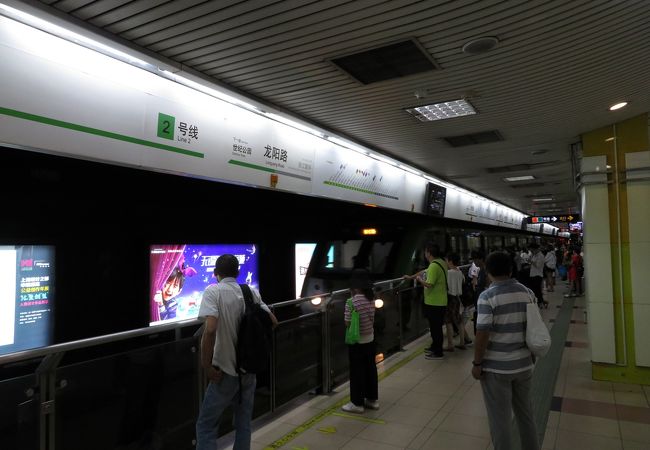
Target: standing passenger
435,297
502,362
363,371
455,279
549,269
223,306
537,274
479,282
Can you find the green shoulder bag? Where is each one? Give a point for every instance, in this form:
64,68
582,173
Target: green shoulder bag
352,332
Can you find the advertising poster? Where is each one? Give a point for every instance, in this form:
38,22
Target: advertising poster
26,297
181,272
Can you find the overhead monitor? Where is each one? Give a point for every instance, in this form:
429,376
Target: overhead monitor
26,297
436,197
179,273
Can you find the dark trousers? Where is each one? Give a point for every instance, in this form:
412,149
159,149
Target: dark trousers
363,373
436,317
536,287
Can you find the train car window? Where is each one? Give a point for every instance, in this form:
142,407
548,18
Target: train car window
379,256
349,251
474,242
342,254
453,244
329,264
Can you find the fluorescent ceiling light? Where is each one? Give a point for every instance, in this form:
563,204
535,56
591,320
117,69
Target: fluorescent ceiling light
409,169
520,178
209,91
71,36
444,110
543,199
617,106
294,124
383,159
349,145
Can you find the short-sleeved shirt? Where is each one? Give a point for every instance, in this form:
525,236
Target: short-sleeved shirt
473,271
436,295
537,265
225,301
549,260
455,280
366,309
502,312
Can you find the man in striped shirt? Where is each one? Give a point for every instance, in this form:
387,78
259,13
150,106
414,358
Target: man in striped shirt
502,361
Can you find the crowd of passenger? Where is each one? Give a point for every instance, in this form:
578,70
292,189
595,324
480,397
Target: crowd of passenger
497,294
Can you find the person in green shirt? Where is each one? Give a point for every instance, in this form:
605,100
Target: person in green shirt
434,281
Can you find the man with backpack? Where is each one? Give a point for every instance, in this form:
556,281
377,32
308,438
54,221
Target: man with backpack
225,310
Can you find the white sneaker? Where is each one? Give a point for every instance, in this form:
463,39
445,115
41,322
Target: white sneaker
372,404
351,407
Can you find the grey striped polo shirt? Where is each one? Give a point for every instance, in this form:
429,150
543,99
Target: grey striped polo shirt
502,311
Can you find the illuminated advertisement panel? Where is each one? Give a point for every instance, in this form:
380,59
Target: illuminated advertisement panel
179,273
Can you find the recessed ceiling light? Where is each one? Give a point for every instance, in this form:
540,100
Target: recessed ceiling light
480,45
617,106
520,178
444,110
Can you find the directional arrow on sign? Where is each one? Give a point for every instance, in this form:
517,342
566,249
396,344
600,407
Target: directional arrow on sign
554,219
570,218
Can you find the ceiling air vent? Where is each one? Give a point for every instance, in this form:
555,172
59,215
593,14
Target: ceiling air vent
526,185
461,176
521,167
384,63
483,137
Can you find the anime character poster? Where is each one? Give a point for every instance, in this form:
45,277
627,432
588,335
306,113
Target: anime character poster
179,273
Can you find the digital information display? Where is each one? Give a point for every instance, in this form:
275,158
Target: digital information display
26,297
179,273
568,218
435,200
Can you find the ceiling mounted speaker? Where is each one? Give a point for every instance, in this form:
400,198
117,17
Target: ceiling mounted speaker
480,45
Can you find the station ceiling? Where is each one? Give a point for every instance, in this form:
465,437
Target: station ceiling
556,68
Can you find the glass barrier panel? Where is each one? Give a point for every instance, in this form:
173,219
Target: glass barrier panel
339,365
387,323
19,414
145,398
298,358
414,324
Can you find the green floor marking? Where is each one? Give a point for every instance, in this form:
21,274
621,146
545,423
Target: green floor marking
545,374
359,418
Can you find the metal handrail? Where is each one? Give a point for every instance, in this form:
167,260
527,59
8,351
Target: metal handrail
124,335
97,340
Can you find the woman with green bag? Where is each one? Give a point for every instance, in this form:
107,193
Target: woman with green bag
360,338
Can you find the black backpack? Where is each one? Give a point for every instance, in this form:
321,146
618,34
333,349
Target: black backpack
467,297
254,336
